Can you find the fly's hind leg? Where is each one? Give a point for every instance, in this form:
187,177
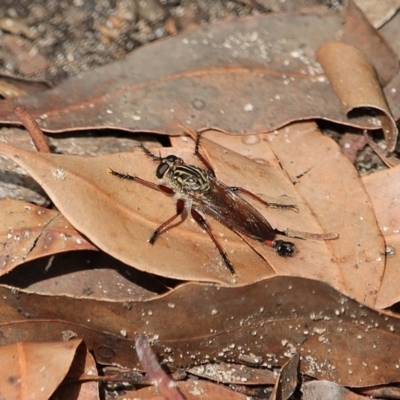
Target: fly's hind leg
265,203
202,222
236,188
282,248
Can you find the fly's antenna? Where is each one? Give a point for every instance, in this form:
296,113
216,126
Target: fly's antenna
149,153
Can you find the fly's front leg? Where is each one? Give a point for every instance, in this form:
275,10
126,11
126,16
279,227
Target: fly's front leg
202,222
180,205
265,203
161,188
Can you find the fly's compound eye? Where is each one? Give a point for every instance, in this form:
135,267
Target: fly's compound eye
162,169
168,163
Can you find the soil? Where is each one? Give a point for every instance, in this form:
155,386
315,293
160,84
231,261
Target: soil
51,40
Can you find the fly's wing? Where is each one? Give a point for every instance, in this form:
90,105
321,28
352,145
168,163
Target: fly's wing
233,211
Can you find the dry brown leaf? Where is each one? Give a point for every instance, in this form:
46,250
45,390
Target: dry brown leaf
359,89
236,373
193,390
332,189
245,75
77,384
391,35
317,390
391,391
120,216
287,381
84,274
108,348
358,32
10,87
105,204
195,323
7,90
35,370
28,232
383,189
378,12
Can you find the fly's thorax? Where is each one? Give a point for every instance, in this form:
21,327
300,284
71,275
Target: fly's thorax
181,177
188,178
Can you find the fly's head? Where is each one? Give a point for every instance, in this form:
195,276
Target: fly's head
167,167
182,177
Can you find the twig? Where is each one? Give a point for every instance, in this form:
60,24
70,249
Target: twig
156,374
32,127
388,161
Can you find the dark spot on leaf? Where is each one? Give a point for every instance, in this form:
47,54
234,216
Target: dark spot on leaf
198,104
13,380
105,352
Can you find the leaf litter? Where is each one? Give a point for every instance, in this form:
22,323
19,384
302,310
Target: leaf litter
233,62
198,323
223,159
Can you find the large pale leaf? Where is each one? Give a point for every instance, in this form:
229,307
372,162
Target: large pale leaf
119,216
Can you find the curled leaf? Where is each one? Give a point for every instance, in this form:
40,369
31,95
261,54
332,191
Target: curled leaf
356,84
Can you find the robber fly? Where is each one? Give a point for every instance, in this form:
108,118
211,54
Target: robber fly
199,191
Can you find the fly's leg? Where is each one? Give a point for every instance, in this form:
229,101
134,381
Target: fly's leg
180,206
202,222
265,203
236,188
196,149
282,248
149,153
161,188
202,159
239,189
